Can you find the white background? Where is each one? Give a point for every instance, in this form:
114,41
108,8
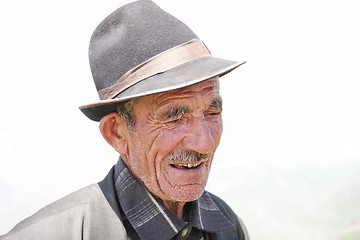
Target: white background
289,158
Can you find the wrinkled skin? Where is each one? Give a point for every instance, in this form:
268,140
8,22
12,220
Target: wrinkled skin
187,119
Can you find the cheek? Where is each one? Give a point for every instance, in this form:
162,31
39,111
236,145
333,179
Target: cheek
166,141
137,159
216,129
159,146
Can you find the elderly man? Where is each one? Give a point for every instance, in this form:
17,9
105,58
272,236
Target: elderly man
160,109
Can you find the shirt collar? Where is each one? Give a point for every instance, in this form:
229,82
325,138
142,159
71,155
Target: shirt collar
152,220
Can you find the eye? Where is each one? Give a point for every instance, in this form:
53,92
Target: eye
175,120
175,114
213,115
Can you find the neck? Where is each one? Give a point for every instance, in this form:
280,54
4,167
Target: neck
175,207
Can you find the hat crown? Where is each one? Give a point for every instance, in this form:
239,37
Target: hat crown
131,35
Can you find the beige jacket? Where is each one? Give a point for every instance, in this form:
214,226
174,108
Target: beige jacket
83,215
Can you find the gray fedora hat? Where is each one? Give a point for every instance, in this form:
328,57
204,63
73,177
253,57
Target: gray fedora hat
140,50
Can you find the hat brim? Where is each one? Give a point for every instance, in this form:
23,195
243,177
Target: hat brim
181,76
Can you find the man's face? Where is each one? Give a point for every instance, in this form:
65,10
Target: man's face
171,146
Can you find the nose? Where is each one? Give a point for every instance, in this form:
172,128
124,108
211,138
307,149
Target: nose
199,137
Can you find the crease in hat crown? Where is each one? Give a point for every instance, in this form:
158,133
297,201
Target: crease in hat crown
140,49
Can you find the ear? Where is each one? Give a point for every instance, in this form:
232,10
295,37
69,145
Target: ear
113,127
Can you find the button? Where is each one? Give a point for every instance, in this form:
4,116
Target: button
184,232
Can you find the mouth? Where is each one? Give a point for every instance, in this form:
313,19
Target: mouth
187,165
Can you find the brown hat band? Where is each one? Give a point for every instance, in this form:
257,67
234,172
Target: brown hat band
191,50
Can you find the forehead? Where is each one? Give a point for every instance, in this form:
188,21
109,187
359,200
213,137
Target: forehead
208,89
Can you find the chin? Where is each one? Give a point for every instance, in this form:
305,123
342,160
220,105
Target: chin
186,195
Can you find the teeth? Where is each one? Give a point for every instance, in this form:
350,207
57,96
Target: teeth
189,165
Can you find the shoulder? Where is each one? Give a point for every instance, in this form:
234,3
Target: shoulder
63,217
241,229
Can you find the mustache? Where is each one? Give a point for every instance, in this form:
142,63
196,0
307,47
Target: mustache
188,156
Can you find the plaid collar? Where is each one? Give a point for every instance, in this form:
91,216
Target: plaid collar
152,220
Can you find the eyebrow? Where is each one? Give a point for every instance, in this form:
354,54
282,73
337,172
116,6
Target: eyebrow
181,110
175,112
216,103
